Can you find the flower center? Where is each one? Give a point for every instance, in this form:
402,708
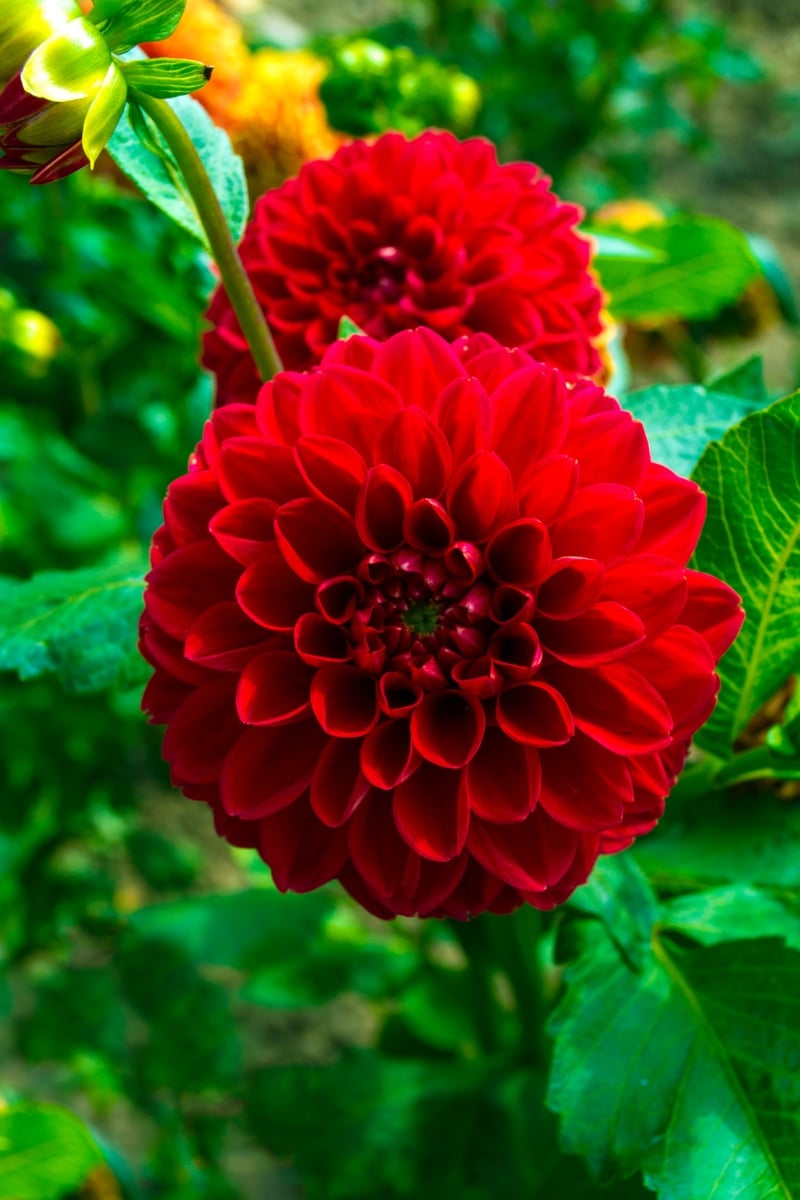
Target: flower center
421,617
381,277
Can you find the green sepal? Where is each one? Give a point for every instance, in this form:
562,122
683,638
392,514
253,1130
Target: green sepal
348,329
104,114
167,77
126,23
70,65
24,25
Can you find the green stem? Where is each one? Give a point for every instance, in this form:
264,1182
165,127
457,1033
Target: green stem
234,279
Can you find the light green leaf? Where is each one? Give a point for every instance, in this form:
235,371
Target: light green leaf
45,1152
159,179
348,329
621,897
709,917
689,1069
104,113
751,540
81,625
609,246
165,78
745,380
682,419
126,23
704,265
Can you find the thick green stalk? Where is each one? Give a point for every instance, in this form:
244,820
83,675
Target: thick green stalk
234,279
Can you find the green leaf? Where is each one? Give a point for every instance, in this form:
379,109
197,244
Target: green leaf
703,265
620,896
165,78
613,247
681,420
745,380
126,23
697,1059
45,1152
348,329
104,113
238,929
81,625
709,916
159,179
751,540
742,837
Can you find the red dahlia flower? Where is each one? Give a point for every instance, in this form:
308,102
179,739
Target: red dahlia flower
398,234
421,621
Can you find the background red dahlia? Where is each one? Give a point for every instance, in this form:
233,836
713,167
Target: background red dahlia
398,234
421,621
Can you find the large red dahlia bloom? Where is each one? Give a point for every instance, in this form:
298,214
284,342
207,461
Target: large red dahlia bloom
421,621
398,234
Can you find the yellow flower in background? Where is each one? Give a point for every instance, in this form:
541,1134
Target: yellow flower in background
268,101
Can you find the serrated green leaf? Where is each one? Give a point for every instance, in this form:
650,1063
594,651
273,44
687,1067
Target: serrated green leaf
160,181
104,113
705,264
681,419
619,895
709,917
698,1059
745,380
126,23
45,1152
166,78
751,540
80,625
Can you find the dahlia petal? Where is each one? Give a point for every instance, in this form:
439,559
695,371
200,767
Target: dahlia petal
682,667
186,582
388,755
575,874
242,528
503,779
411,443
654,588
516,651
529,417
250,467
271,594
344,701
510,603
604,521
532,854
302,853
611,448
447,728
349,404
234,421
278,407
535,714
163,696
616,706
318,641
274,689
331,468
520,553
605,632
584,786
480,496
431,812
338,598
224,639
478,677
381,507
201,733
160,650
378,853
571,587
463,416
547,487
675,510
418,364
338,786
427,526
268,769
489,363
190,504
317,539
398,695
713,609
436,883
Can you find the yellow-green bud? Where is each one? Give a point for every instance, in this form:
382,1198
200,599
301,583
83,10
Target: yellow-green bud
24,25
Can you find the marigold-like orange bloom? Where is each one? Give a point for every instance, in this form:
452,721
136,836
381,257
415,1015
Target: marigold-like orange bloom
267,101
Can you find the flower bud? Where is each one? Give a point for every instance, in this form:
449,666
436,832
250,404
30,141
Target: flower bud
25,25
